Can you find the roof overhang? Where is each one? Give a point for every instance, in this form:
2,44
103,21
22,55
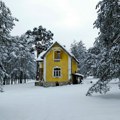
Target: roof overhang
71,55
78,74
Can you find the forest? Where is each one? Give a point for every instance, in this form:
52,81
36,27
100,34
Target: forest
17,53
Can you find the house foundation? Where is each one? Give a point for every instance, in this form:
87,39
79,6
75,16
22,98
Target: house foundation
51,84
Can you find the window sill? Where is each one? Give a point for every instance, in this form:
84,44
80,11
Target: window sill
57,77
57,60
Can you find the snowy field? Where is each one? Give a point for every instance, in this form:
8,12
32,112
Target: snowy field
28,102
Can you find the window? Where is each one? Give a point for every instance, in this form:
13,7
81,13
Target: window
57,72
57,55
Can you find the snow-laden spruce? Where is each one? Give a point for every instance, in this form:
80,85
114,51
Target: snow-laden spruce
16,59
79,51
108,42
41,39
20,63
6,25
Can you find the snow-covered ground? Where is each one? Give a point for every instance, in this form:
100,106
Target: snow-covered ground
28,102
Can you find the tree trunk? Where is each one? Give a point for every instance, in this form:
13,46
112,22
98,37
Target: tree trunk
21,77
11,81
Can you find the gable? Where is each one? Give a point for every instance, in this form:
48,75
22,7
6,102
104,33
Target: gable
57,47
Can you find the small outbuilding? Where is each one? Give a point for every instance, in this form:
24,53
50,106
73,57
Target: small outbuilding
77,78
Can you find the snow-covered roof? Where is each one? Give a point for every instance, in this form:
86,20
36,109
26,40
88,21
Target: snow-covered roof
41,56
78,74
73,57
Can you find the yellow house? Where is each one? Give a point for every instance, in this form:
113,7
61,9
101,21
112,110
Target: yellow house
57,66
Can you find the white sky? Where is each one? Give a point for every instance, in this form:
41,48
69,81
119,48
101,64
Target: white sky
69,20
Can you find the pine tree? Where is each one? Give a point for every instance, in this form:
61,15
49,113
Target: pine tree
20,63
74,49
108,22
79,51
6,25
90,61
42,39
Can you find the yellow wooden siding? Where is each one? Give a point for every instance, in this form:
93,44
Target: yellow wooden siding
74,66
63,64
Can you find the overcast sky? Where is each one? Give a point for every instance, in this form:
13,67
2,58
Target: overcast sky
69,20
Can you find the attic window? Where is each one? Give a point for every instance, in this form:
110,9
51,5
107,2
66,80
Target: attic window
57,55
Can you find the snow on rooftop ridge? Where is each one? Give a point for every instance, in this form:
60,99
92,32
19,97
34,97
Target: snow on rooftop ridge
44,52
68,51
63,46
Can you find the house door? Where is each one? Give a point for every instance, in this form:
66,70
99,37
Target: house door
41,74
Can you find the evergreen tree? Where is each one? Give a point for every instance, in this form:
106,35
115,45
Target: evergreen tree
94,53
74,49
108,22
20,62
79,51
41,38
6,25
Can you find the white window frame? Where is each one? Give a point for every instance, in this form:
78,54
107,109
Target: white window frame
54,55
57,72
